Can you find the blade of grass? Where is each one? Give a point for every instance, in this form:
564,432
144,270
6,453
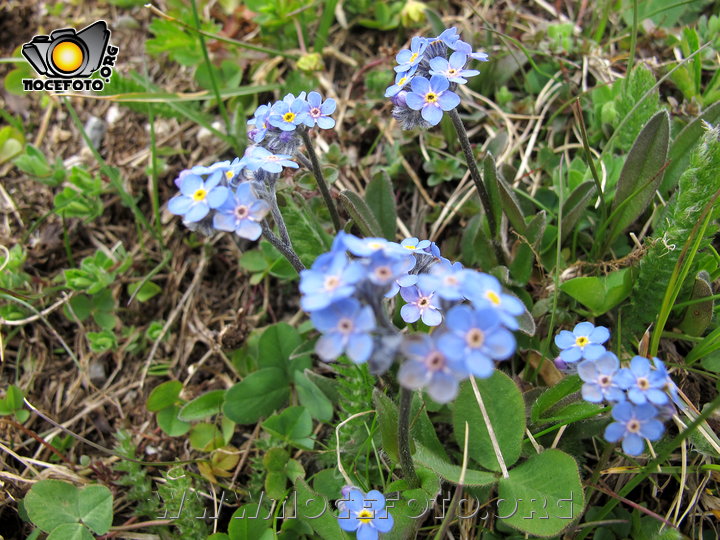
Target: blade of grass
211,74
242,44
680,272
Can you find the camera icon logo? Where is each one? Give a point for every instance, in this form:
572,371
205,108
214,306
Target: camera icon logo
67,56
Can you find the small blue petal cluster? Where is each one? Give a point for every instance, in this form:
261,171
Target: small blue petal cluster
236,195
364,514
277,125
427,76
346,293
642,394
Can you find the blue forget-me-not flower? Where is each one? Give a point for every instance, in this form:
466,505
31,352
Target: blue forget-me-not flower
346,326
633,423
600,378
421,304
364,514
428,367
477,338
198,196
332,277
431,98
643,383
585,341
453,69
319,112
241,213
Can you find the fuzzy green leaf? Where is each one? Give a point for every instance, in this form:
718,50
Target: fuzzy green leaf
542,496
361,213
506,412
641,175
380,198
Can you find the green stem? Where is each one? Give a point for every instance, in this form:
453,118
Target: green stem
406,462
477,180
211,73
317,171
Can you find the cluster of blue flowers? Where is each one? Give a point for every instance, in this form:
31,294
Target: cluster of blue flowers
642,393
431,68
236,196
346,291
364,514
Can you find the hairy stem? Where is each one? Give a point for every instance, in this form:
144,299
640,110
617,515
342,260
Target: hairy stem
317,171
277,216
283,248
477,180
406,462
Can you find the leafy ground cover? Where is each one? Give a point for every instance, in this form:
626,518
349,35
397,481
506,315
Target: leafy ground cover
473,296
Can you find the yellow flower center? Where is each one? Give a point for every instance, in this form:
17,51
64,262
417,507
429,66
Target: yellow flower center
452,71
413,57
493,297
199,195
643,383
229,175
431,97
402,81
375,245
581,341
289,116
365,515
410,247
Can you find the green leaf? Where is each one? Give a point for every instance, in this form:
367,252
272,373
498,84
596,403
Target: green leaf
258,395
205,437
449,471
490,179
534,499
253,261
600,294
497,187
553,395
387,415
169,422
422,430
276,345
203,406
248,523
70,531
316,511
575,205
683,144
95,508
293,425
360,213
506,411
163,396
51,503
146,291
641,175
312,398
14,398
699,316
380,197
